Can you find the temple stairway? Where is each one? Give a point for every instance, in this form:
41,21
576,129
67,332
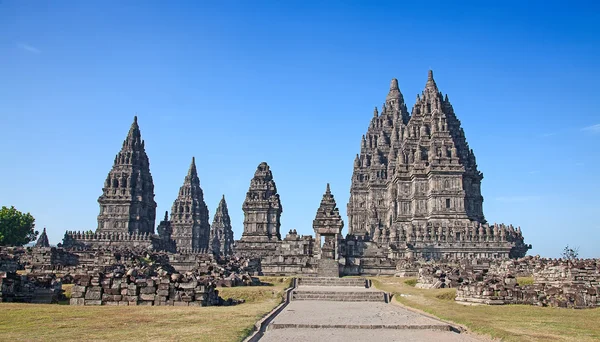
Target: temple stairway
338,289
349,309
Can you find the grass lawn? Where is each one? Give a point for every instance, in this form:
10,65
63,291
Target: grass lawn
39,322
508,322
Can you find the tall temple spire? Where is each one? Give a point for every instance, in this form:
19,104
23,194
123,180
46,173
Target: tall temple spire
192,172
221,233
42,241
430,139
189,214
127,202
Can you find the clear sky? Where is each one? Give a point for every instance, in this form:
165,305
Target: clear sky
294,83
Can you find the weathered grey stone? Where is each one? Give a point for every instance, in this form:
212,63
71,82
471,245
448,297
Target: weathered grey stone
221,233
189,214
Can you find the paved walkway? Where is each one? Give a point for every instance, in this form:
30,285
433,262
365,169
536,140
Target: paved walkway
333,321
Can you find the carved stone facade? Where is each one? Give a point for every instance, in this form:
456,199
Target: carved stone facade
189,214
221,233
328,225
416,186
127,202
262,207
415,193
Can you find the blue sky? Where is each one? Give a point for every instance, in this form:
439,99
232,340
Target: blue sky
294,84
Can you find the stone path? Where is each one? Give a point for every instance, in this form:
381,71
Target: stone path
331,321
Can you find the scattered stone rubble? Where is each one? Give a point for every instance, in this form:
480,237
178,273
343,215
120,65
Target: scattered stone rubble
557,283
147,286
29,288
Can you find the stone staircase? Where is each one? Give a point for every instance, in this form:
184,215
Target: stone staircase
326,281
338,289
328,268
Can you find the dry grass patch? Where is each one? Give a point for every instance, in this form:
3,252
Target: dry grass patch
508,322
31,322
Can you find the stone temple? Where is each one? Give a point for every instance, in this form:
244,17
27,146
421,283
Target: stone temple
416,187
415,193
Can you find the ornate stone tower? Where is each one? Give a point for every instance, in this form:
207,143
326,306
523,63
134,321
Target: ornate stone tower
262,207
127,202
414,170
42,241
328,224
221,233
189,214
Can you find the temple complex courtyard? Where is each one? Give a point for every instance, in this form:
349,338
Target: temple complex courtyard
27,322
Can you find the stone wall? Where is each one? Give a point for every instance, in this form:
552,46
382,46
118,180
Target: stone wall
557,283
146,287
29,289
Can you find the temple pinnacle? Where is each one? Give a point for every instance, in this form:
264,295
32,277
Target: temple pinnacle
192,170
328,190
431,82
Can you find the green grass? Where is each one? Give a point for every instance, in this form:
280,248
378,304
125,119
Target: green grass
411,282
522,281
506,322
38,322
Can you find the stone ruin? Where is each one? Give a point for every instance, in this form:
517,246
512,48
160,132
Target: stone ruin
148,286
44,289
556,283
46,269
415,194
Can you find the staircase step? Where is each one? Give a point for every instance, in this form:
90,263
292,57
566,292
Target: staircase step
322,281
346,296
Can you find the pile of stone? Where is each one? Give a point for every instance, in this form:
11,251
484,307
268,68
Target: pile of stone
10,259
18,288
557,283
435,276
147,286
493,290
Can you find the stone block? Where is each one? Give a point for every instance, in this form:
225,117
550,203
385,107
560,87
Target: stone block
93,302
78,288
147,297
123,303
148,290
190,285
93,295
77,301
180,304
77,294
146,302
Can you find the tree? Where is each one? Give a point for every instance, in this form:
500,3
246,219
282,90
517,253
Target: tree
570,253
16,228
